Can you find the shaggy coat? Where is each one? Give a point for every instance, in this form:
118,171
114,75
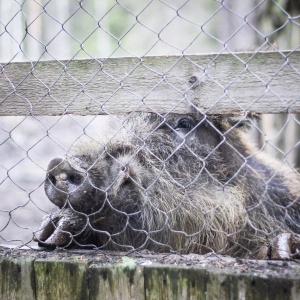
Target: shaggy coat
186,183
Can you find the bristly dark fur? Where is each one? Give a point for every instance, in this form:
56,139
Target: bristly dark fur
187,183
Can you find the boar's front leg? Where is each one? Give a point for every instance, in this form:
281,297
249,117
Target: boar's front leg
285,246
59,229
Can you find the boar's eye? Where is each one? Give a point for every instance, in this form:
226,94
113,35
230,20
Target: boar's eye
185,123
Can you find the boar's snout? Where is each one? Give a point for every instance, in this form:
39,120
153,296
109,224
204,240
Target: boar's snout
66,186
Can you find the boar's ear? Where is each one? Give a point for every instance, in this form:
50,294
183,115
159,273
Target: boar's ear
235,121
243,121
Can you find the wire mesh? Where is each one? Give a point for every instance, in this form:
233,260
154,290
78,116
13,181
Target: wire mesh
160,180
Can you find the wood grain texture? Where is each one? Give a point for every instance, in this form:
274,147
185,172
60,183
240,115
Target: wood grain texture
98,275
266,82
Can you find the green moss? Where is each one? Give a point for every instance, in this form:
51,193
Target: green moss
20,278
17,279
61,280
10,276
173,282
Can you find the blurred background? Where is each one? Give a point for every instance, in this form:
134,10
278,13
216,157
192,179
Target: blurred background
66,30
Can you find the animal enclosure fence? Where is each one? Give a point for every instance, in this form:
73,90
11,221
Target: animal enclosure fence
56,89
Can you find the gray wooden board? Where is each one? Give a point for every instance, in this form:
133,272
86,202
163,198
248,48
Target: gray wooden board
266,82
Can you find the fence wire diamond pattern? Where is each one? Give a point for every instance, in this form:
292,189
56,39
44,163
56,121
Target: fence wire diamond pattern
174,125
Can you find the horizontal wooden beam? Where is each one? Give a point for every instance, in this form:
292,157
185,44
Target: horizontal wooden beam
266,82
49,275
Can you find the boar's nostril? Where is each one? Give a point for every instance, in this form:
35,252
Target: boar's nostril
75,179
52,179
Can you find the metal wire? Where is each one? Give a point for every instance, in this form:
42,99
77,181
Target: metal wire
164,166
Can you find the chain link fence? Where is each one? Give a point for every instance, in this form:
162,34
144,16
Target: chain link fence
158,145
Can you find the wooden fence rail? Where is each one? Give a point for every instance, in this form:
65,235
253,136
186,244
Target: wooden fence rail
216,83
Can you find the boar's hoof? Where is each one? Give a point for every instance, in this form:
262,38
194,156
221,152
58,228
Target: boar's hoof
59,229
285,246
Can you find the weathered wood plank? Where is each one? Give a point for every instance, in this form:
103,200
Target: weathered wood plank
61,279
29,274
181,282
17,281
124,280
167,282
265,82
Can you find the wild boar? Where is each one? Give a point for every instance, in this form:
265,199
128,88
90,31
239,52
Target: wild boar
186,183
